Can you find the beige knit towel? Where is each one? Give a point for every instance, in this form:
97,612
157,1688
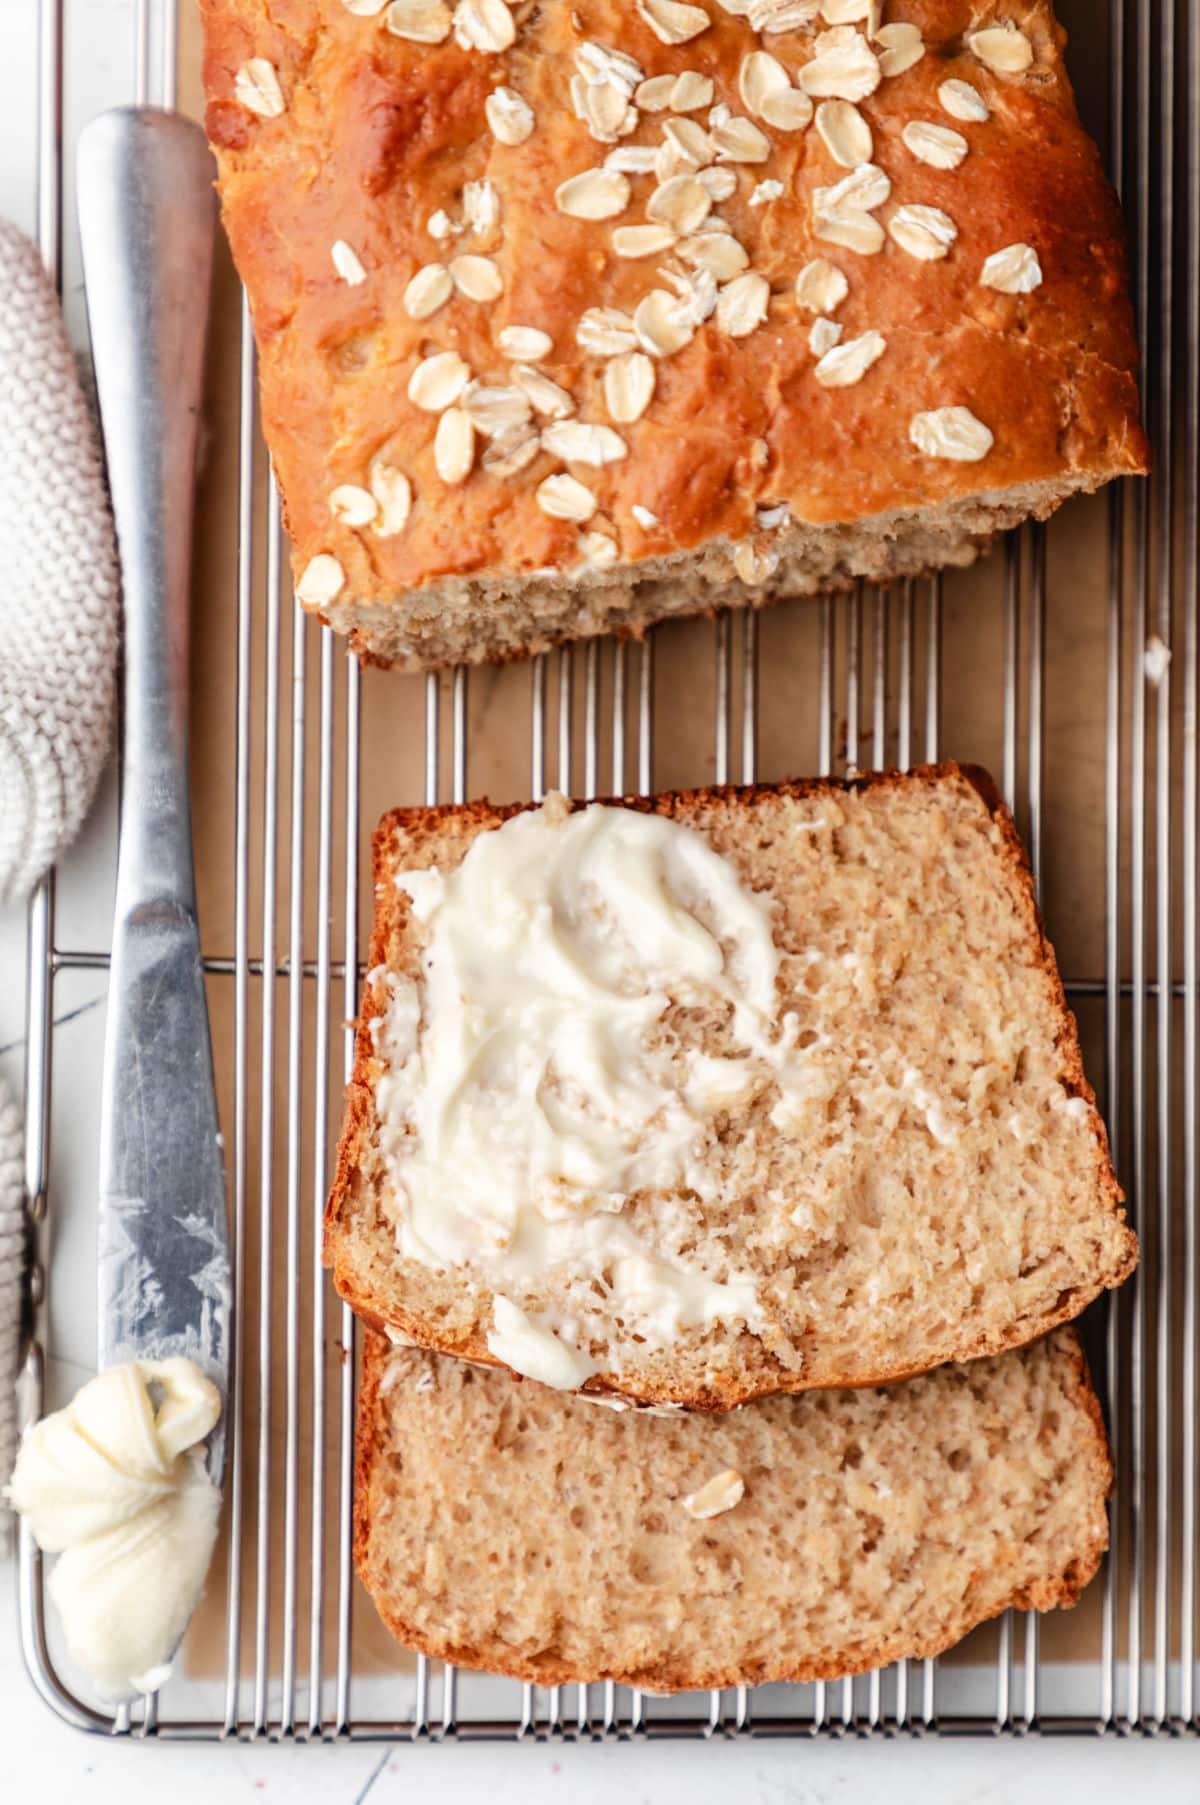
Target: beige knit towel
59,603
58,646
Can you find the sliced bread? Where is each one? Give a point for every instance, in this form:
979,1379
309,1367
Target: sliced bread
525,1531
907,1166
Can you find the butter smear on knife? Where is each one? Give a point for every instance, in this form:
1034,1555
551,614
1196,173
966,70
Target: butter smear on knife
116,1486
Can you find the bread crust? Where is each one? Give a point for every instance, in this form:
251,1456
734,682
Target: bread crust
719,1391
378,134
1059,1590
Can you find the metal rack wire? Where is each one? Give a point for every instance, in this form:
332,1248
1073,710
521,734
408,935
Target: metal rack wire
866,680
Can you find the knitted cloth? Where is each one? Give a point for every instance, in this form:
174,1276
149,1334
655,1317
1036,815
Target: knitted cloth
59,605
59,612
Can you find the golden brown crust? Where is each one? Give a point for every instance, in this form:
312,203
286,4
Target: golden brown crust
1053,1591
719,1391
379,133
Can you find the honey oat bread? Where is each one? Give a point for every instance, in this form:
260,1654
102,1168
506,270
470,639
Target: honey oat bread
574,317
715,1094
850,1528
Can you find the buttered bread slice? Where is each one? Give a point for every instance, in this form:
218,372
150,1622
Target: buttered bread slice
716,1094
511,1528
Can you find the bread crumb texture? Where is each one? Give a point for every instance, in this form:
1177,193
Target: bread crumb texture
746,299
871,1525
940,1188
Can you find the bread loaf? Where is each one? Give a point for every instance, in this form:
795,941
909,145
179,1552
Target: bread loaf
720,1093
574,317
521,1530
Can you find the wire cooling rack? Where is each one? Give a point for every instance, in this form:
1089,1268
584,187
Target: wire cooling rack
1049,663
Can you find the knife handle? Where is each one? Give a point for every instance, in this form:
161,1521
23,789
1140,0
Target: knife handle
147,221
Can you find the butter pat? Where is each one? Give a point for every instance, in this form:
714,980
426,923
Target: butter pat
537,1352
116,1486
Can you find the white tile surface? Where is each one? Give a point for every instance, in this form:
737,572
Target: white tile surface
47,1763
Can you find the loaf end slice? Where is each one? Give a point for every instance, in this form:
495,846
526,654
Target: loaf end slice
944,1193
527,1532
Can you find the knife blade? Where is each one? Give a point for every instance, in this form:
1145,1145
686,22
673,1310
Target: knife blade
147,220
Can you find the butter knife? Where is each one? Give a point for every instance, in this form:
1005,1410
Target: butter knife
147,221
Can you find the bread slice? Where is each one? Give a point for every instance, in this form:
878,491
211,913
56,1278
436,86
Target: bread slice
524,1531
942,1189
802,373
